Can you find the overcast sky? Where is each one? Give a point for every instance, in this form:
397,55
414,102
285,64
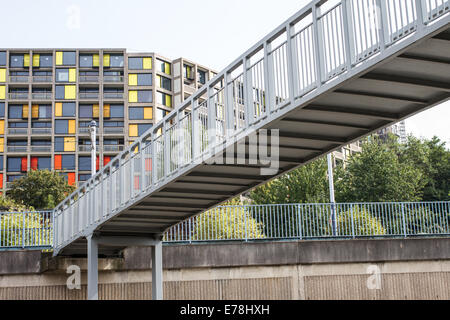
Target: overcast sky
210,32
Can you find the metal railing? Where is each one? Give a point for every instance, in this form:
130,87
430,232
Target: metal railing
293,64
88,95
314,221
113,95
266,222
88,78
26,230
42,95
19,79
18,96
42,78
113,78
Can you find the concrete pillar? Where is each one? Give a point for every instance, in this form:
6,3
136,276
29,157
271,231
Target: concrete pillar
157,276
92,268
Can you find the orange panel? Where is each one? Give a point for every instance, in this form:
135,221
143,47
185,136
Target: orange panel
58,162
97,166
1,180
106,160
136,182
24,163
148,164
34,163
71,178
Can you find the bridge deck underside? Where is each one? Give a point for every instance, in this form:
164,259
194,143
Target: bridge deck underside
413,81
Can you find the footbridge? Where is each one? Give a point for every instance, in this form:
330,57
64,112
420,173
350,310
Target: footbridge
333,73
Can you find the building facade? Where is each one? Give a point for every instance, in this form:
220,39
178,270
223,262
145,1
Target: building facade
48,98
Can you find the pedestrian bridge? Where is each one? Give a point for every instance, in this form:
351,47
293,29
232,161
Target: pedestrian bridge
334,72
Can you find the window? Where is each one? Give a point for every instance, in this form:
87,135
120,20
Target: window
139,63
67,162
164,99
15,111
84,163
2,110
64,126
164,83
112,142
59,144
188,72
67,58
65,109
62,75
67,92
142,79
41,111
113,124
1,163
16,61
43,163
136,130
140,96
86,111
46,61
116,111
41,124
41,143
2,58
18,125
116,60
84,177
201,75
164,67
14,164
140,113
86,61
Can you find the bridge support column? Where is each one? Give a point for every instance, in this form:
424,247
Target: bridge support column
92,291
157,272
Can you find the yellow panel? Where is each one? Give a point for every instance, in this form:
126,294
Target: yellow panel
158,80
70,93
133,130
106,111
148,113
72,75
132,79
36,59
72,127
59,58
147,63
106,60
26,60
25,111
2,144
95,60
168,100
2,75
132,96
167,68
35,111
96,111
58,109
2,92
2,126
69,143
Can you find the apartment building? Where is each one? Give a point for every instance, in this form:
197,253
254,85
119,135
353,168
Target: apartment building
48,98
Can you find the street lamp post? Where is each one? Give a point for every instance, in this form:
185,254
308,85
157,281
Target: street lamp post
93,130
332,197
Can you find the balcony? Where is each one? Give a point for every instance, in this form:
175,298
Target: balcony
113,130
113,79
113,95
84,130
19,79
21,149
84,148
18,96
41,131
88,78
42,96
89,95
41,148
21,131
42,79
113,148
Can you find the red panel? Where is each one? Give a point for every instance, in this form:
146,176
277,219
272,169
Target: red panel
148,164
71,178
106,160
136,183
24,164
1,180
34,163
97,166
58,162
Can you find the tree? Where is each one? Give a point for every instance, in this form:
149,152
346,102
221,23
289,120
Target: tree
308,184
359,222
10,205
40,189
378,174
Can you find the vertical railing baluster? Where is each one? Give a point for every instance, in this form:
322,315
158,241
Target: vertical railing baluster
318,46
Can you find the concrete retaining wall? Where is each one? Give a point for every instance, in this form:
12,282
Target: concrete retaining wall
409,269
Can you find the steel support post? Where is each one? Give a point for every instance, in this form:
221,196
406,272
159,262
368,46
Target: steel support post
157,272
92,268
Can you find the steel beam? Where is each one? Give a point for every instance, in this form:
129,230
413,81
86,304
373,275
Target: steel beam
92,244
157,272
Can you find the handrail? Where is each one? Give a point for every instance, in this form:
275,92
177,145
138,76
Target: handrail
330,52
